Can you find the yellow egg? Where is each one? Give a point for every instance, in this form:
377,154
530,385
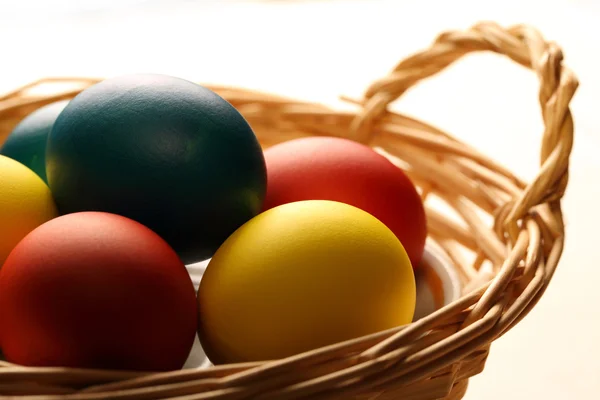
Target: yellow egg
301,276
25,204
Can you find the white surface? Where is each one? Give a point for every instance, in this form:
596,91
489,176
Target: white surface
444,269
320,49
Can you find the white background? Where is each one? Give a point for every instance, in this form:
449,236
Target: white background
317,50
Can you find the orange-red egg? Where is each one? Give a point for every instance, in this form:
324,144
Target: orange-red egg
328,168
96,290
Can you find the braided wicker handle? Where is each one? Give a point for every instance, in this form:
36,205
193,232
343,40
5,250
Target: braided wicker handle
527,47
541,197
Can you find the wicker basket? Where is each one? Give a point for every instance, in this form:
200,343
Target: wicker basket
505,265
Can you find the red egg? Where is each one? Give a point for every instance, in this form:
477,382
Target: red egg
328,168
96,290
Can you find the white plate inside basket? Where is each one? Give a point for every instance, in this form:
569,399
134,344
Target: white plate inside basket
437,285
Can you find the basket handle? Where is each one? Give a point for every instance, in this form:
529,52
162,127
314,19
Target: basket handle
524,45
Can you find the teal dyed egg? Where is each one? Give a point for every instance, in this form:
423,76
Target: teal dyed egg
166,152
27,141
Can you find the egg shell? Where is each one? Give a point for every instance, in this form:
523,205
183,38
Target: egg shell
27,141
96,290
301,276
25,204
166,152
329,168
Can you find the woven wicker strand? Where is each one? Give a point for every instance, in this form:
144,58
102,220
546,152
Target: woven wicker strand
505,239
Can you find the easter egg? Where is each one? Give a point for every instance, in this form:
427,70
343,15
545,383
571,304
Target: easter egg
300,276
162,151
96,290
25,204
27,141
329,168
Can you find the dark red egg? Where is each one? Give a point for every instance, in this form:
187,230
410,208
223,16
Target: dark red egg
328,168
96,290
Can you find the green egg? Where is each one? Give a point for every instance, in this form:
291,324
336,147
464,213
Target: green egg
27,142
163,151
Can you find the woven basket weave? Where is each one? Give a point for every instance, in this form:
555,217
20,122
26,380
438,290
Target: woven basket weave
505,264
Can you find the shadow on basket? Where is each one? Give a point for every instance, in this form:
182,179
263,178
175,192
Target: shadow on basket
492,248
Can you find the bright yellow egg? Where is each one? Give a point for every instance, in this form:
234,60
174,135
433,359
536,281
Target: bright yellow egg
25,204
301,276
